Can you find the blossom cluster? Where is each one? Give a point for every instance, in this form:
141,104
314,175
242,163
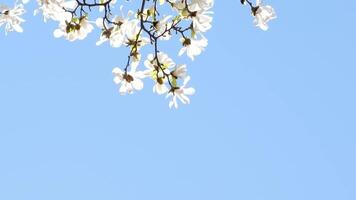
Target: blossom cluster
186,20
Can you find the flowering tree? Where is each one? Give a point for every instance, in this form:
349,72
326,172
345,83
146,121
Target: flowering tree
154,21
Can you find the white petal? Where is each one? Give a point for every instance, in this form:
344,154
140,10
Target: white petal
58,33
189,91
117,80
17,28
137,84
182,51
99,22
70,4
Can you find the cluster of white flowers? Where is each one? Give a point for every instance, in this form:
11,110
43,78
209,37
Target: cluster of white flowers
188,20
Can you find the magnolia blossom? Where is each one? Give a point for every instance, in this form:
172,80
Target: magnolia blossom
132,34
263,14
180,71
180,93
117,33
162,26
53,9
193,47
11,18
77,29
157,70
201,18
129,81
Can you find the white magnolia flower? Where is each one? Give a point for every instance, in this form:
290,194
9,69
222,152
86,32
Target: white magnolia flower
193,47
180,93
157,72
129,81
76,29
263,14
134,40
116,34
201,18
164,60
53,9
11,18
132,31
180,71
162,26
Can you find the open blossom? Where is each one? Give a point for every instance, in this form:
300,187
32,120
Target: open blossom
164,60
53,9
263,14
162,26
129,81
201,18
133,38
76,29
11,18
117,33
193,47
180,71
157,72
180,93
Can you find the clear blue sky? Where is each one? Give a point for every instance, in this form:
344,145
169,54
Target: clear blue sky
273,117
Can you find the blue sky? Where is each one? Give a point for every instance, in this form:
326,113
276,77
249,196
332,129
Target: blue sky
273,117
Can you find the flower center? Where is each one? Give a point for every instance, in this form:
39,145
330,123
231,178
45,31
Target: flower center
187,42
128,78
